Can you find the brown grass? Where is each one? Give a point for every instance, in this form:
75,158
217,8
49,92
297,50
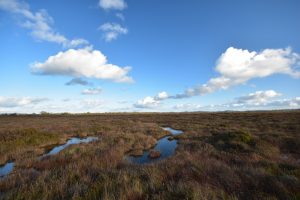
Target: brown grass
241,155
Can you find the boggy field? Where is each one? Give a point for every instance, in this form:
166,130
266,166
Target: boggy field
229,155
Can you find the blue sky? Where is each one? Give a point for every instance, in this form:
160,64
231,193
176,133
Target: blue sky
126,55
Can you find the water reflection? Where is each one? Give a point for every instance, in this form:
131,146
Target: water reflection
6,169
71,141
165,146
9,166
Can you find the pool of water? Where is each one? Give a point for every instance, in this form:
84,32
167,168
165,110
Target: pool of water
165,146
71,141
9,166
6,169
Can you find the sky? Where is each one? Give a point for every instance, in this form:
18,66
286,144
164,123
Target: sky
149,56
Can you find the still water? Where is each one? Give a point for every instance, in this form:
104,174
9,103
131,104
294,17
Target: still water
165,146
9,166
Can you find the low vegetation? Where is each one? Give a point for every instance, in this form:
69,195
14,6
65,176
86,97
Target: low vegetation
229,155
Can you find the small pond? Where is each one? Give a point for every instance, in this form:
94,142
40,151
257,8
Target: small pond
73,140
165,146
8,167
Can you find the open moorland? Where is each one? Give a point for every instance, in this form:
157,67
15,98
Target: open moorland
223,155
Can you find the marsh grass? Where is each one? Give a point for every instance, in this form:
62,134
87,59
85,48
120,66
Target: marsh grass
15,143
248,155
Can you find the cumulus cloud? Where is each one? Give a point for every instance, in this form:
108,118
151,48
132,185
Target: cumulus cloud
151,102
91,91
147,102
9,102
261,100
111,31
112,4
85,63
39,23
257,98
238,66
286,103
162,95
77,81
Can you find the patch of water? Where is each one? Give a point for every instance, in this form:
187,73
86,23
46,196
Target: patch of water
71,141
6,169
165,146
9,166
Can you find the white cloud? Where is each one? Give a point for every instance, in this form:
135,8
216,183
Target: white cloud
257,98
162,95
86,63
112,31
9,102
147,102
286,103
112,4
36,105
238,66
75,43
260,100
91,91
258,105
39,23
151,102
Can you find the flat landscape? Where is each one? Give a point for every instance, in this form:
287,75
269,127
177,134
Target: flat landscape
219,155
149,100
